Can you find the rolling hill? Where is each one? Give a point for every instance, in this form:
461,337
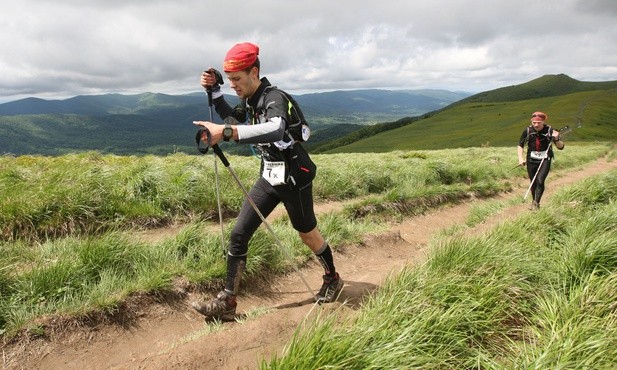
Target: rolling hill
545,86
496,118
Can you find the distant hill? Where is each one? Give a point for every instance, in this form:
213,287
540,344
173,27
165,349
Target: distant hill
496,118
161,124
542,87
390,103
374,106
100,104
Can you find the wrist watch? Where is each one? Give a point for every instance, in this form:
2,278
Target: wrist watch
228,132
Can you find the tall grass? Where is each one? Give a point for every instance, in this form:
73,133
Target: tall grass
66,222
83,194
79,276
536,293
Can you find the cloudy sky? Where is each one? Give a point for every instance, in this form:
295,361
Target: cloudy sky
62,48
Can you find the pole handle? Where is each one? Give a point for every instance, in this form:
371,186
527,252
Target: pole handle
219,80
204,146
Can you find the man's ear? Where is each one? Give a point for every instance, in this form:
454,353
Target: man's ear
254,72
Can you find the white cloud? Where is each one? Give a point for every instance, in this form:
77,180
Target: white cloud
63,48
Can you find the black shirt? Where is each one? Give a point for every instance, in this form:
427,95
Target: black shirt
537,141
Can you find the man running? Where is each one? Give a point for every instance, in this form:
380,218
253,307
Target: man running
539,137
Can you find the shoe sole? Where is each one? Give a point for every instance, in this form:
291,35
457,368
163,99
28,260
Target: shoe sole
335,296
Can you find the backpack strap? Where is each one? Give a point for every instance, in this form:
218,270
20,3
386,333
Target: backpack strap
262,98
293,129
527,135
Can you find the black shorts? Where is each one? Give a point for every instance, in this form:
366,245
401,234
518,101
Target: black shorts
297,201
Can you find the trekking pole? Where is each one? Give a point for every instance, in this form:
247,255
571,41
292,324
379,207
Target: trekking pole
533,180
216,175
217,150
218,202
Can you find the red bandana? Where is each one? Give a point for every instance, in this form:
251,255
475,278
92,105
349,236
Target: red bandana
240,57
538,117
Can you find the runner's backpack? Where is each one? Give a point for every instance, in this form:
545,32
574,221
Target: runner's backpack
544,153
548,134
298,129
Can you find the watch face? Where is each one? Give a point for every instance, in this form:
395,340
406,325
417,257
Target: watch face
227,133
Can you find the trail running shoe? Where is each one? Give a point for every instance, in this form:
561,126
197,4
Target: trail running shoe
330,289
222,307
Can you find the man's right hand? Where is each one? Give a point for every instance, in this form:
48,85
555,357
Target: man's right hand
211,79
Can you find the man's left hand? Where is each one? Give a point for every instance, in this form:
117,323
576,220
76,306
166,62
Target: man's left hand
216,131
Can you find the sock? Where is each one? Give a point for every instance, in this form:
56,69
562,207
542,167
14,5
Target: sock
324,255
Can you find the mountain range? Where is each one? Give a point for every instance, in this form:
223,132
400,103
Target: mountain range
341,121
160,123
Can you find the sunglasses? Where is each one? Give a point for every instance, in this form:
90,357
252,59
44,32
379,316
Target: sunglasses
539,115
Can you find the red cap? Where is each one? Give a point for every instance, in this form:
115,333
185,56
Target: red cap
538,116
240,57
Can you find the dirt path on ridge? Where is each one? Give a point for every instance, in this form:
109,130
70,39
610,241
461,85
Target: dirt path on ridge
170,335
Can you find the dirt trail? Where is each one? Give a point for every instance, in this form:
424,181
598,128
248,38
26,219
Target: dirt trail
170,335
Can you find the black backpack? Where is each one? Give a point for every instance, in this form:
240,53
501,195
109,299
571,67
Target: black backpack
297,128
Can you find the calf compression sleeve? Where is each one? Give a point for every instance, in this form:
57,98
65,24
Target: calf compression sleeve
324,256
235,269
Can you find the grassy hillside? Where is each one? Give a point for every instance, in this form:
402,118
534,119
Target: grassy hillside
592,115
545,86
63,252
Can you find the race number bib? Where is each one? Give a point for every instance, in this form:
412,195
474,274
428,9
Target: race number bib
274,172
539,155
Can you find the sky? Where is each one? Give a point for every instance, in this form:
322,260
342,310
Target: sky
63,48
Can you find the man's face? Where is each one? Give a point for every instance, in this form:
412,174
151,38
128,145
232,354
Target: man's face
244,84
537,125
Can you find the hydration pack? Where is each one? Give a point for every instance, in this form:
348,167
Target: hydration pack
297,127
